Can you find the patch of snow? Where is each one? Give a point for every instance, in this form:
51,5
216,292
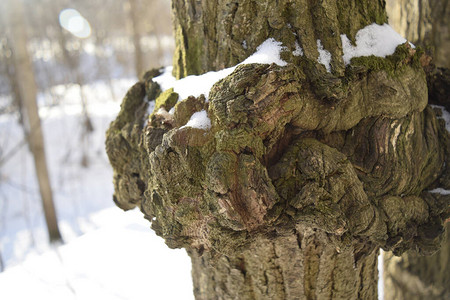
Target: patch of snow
196,85
440,191
199,120
151,107
166,79
298,50
445,116
244,44
267,53
163,112
324,56
380,276
121,259
374,39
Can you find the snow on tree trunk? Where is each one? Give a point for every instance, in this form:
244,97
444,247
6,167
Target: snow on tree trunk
285,180
212,35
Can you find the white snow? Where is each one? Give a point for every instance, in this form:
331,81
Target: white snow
195,85
163,112
267,53
191,85
374,39
151,105
122,259
298,50
324,56
440,191
380,275
166,79
199,120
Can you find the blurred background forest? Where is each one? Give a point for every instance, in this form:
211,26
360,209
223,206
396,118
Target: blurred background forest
83,56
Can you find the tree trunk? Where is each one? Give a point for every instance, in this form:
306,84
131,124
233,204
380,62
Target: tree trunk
301,265
212,35
306,171
28,90
413,277
424,23
137,34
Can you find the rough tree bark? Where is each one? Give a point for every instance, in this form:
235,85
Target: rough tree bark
414,277
28,92
411,276
304,173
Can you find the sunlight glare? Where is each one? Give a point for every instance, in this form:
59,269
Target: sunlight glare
71,20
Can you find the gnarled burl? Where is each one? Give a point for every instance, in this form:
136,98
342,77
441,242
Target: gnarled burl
304,174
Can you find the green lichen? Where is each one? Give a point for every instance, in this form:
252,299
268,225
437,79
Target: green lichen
240,140
393,64
166,100
188,55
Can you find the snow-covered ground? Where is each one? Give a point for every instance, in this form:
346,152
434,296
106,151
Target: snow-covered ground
108,253
120,259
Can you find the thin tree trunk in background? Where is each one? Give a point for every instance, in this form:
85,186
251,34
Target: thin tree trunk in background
137,34
28,90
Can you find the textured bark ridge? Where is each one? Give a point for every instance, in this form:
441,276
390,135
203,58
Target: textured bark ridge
304,264
303,174
411,276
212,35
